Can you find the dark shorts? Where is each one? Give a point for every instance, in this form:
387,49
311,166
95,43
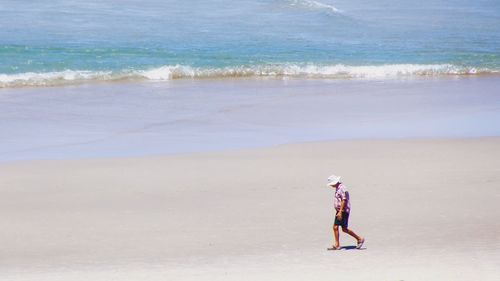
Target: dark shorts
344,222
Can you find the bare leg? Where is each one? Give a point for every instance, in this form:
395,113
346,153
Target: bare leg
350,232
336,235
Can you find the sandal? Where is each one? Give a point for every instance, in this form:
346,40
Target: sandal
333,248
360,243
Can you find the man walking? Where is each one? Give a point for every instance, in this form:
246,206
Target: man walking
342,206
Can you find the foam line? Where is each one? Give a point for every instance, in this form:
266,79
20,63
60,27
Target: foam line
170,72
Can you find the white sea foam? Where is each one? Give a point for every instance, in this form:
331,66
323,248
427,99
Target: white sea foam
310,71
314,5
170,72
52,78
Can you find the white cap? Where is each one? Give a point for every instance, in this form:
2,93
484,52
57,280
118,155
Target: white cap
333,180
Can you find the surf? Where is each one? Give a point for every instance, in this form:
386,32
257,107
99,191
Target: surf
314,5
279,71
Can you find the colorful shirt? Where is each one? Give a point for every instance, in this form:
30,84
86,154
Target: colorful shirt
341,193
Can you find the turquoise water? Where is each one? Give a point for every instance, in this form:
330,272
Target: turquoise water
62,42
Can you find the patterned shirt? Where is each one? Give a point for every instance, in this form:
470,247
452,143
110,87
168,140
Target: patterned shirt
341,193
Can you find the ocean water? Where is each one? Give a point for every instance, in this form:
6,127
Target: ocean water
50,42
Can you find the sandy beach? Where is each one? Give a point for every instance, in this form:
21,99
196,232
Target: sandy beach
427,207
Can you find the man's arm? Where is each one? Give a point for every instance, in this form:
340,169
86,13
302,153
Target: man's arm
345,198
342,206
341,211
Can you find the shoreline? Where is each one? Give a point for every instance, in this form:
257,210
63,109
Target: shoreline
259,213
251,149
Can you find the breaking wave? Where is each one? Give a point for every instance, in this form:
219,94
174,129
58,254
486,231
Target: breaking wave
170,72
314,5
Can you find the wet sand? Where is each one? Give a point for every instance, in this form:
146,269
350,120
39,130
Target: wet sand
186,116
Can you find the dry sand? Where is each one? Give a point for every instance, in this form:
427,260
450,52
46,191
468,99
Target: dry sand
429,209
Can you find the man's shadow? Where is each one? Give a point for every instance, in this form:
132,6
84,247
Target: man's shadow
349,248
